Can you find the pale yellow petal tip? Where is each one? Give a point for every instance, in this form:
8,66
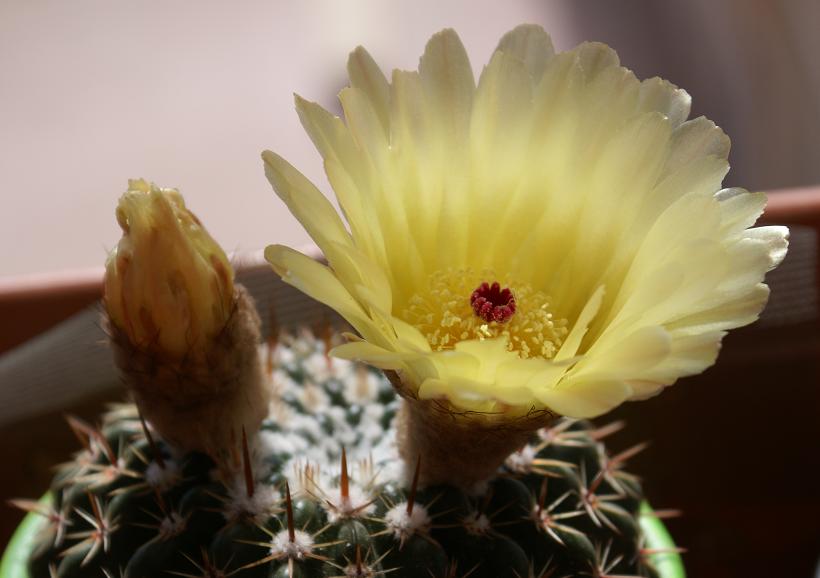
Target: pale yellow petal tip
781,250
444,54
300,101
444,35
273,170
525,31
274,255
531,45
168,284
775,241
305,108
360,64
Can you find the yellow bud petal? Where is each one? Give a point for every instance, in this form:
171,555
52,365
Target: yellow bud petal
168,284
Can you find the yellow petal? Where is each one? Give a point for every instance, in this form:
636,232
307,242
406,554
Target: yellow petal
579,329
366,76
662,96
304,200
354,269
731,312
365,125
447,78
739,209
775,241
376,356
694,139
627,357
410,337
344,167
585,399
531,45
689,355
318,282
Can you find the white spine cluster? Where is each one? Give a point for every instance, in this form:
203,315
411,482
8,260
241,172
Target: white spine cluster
404,525
260,506
281,546
172,525
477,524
520,462
163,477
358,503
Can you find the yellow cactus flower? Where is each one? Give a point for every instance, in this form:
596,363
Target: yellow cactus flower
168,284
553,237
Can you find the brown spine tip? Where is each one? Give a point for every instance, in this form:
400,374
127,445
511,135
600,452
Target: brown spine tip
151,443
269,353
107,449
95,507
160,502
246,463
289,508
607,430
326,334
596,482
411,498
272,341
630,453
81,430
344,481
542,496
359,559
28,506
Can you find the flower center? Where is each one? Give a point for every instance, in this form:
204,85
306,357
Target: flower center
492,303
458,305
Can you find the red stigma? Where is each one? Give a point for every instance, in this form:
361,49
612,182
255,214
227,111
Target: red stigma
492,303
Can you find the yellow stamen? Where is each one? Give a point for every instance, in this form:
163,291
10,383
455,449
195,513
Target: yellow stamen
444,315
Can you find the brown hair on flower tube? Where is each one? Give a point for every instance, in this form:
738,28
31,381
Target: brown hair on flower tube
185,336
458,448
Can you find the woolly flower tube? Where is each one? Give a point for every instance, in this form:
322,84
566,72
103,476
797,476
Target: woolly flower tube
185,336
552,239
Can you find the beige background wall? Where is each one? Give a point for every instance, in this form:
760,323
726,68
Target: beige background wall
187,94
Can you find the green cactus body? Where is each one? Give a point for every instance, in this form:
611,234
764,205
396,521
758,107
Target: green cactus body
319,492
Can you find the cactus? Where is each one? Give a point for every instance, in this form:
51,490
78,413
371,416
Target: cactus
277,460
319,491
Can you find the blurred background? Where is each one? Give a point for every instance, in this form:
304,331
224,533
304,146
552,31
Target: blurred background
188,94
95,92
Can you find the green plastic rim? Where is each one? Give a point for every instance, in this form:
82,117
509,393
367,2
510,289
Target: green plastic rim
15,558
667,561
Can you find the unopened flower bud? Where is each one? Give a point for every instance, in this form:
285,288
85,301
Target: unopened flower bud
168,284
184,336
